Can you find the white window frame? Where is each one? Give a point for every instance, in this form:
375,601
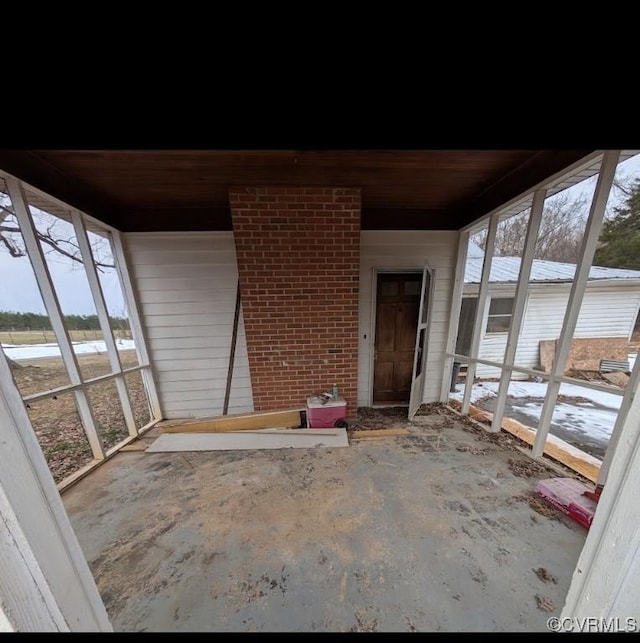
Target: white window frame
78,384
489,316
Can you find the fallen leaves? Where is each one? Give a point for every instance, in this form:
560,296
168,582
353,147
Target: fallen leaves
544,509
526,468
545,603
544,575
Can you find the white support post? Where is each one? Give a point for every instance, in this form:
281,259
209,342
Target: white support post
131,300
578,287
454,314
520,300
630,391
103,318
41,270
606,580
478,330
45,582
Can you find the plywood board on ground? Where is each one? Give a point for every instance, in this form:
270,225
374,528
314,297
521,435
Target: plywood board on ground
240,422
231,441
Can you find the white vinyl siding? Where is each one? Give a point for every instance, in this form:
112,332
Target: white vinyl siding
606,312
186,284
406,250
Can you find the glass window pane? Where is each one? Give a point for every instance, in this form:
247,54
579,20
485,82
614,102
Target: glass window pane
499,324
465,325
60,433
421,357
389,288
426,303
412,288
501,306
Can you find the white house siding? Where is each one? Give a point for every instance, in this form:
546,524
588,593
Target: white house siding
186,284
407,250
606,312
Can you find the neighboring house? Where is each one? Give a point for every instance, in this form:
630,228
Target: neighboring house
609,309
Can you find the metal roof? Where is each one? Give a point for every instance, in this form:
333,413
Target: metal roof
506,270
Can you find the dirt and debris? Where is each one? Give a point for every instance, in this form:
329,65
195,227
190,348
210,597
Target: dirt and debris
473,450
527,468
433,407
617,379
544,575
370,419
545,603
364,622
545,509
395,417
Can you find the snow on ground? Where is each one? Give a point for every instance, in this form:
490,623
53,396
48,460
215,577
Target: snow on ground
587,419
34,351
593,419
538,390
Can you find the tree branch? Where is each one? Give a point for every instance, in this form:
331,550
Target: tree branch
53,243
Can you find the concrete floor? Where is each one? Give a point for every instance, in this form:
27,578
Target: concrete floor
426,532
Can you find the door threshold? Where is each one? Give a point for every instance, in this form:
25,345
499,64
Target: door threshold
386,405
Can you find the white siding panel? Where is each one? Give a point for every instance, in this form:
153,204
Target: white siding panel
193,330
406,250
188,271
186,283
203,282
183,296
184,258
606,312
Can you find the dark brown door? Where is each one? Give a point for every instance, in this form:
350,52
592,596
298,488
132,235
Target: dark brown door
398,301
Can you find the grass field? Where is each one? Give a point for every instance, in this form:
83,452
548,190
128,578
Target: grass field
48,336
55,419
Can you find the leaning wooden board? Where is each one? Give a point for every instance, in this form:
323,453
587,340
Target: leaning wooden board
239,422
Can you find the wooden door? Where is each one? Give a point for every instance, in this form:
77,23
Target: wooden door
397,304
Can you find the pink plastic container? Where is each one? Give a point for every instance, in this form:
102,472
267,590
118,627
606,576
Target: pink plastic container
328,415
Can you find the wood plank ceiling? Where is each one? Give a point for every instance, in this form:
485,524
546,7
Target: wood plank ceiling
152,190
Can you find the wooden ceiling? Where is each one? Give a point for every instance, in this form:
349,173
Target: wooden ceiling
152,190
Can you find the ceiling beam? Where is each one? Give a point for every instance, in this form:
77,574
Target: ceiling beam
519,180
200,219
34,170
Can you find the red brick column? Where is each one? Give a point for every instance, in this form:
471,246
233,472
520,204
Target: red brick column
298,252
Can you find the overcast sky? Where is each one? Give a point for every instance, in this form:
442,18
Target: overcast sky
19,290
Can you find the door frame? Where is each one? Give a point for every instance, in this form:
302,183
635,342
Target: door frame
373,314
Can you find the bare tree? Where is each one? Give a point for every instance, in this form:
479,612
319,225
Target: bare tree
51,233
561,230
